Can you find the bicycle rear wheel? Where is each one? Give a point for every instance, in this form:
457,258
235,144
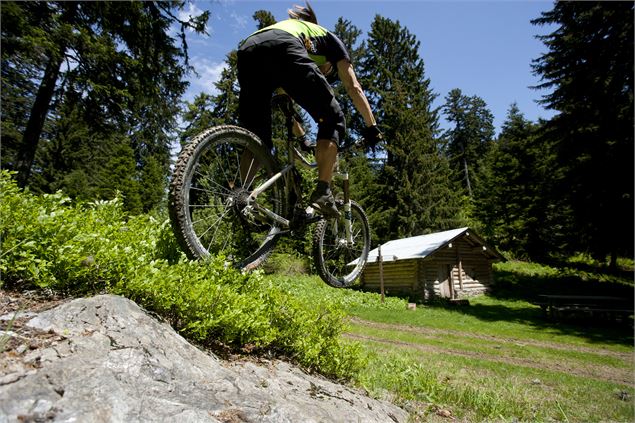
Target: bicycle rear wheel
209,204
339,261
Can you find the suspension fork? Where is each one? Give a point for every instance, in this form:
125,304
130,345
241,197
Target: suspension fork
348,215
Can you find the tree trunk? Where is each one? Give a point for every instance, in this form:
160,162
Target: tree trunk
613,262
31,137
33,130
467,177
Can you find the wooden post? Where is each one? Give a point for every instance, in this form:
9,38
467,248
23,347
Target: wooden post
450,270
381,272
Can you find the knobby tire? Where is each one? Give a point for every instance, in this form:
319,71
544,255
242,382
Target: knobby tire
338,263
206,181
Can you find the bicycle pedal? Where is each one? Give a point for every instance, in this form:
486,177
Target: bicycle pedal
313,215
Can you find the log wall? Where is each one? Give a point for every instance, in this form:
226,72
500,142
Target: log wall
400,277
456,271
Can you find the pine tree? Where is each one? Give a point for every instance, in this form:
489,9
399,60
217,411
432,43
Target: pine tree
513,197
91,171
197,116
95,57
349,34
471,136
263,18
412,195
589,68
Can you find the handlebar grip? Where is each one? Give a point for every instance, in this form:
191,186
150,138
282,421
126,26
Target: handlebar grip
355,145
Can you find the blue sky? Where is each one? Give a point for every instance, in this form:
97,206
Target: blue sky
484,48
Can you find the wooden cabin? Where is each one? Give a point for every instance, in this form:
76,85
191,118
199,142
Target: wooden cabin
453,264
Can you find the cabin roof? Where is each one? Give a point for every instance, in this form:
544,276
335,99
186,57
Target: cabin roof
419,247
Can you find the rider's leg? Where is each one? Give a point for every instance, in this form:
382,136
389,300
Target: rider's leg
322,198
331,128
325,156
308,87
254,105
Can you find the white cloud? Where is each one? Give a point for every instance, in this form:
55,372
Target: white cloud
209,72
239,21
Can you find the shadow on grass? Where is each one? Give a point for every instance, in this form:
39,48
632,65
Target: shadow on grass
511,286
594,330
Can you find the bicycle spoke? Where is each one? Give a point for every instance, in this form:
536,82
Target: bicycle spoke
215,224
214,237
248,185
210,191
239,174
237,177
224,190
334,258
206,190
230,182
204,218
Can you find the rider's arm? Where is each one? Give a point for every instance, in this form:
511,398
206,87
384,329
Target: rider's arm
354,90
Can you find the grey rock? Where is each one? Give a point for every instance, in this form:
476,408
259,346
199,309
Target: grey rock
16,315
115,363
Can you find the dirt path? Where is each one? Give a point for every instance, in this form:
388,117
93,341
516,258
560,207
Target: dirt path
598,372
630,357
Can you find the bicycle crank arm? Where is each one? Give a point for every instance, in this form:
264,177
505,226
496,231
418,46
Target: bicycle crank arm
271,215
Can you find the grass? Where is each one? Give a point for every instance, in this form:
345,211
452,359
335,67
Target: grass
470,344
482,390
491,316
497,359
481,376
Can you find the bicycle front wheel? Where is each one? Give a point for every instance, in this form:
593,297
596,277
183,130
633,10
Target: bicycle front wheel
339,258
210,208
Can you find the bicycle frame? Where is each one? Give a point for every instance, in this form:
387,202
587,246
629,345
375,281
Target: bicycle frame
295,157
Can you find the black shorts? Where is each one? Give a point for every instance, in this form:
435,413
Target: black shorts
275,59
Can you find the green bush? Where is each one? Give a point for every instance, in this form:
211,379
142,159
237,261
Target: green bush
313,290
287,264
49,242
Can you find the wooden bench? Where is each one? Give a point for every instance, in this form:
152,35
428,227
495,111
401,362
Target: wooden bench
611,308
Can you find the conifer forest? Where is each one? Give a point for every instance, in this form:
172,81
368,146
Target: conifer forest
80,114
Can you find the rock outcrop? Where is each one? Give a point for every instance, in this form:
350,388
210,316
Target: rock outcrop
106,360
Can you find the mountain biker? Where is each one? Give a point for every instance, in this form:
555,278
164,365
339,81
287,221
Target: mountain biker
298,55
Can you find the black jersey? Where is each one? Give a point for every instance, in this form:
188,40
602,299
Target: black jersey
321,44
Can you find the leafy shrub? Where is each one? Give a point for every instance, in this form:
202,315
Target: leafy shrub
287,264
312,289
49,242
527,280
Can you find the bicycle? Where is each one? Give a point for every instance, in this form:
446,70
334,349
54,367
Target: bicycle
224,201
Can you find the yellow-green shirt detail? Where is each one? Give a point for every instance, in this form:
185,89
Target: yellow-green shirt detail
321,44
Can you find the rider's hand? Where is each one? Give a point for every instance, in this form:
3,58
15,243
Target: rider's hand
372,135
